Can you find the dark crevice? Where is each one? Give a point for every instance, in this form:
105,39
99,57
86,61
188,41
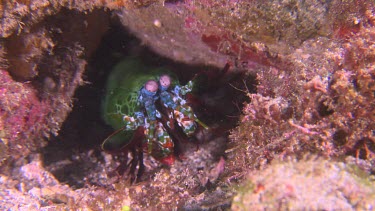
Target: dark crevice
75,157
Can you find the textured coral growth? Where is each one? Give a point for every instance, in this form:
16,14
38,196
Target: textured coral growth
310,184
21,114
325,104
353,88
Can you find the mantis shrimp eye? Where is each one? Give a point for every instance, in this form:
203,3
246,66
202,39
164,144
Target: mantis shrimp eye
151,86
165,81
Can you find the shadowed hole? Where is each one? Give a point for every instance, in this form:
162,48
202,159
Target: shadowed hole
75,157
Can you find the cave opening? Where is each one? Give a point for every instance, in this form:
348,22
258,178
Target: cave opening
75,156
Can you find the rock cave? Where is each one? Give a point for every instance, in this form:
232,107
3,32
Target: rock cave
289,101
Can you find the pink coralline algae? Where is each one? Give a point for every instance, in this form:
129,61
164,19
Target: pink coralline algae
22,114
322,103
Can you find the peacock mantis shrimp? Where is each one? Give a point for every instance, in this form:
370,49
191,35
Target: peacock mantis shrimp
143,122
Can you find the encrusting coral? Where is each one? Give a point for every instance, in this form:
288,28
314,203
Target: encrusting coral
311,183
322,103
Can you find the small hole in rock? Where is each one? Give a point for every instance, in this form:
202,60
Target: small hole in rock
324,110
339,137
